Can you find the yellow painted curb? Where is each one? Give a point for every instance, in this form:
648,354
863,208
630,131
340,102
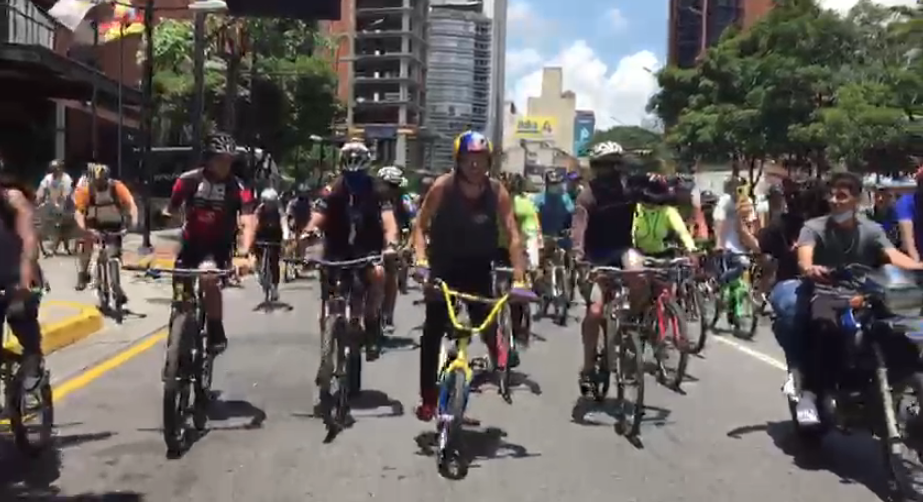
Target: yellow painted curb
60,334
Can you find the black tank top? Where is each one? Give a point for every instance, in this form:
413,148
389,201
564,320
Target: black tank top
464,230
10,244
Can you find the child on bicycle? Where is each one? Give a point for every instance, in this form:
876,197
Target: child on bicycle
272,230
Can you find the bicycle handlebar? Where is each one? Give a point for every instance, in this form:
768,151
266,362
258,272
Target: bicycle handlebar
448,294
192,272
342,264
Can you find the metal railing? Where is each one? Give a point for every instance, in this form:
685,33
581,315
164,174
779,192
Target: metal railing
23,23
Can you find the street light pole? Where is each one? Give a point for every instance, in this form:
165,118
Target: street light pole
198,103
147,122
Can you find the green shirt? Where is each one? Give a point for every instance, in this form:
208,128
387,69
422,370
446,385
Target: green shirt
526,216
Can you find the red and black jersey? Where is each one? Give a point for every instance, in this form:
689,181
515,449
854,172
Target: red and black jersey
211,206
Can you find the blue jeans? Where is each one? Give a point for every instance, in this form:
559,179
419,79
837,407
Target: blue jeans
791,304
732,266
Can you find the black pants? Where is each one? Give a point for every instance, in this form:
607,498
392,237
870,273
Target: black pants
23,321
467,277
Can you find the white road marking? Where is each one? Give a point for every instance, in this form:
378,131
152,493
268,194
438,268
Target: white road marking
759,356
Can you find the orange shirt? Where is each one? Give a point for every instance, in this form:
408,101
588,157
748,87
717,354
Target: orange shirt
82,196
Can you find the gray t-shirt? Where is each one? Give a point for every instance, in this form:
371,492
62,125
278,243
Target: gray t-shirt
835,246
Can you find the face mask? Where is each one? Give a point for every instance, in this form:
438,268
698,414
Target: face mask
843,217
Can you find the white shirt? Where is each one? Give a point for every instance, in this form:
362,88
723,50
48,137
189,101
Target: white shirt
55,189
726,210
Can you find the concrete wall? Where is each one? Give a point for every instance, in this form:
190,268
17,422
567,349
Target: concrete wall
555,102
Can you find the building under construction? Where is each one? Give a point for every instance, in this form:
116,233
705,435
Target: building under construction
381,52
696,25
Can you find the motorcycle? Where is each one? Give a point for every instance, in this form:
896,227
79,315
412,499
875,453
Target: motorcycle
870,364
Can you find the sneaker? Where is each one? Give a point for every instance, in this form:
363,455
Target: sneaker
32,372
373,340
806,410
586,383
274,294
426,410
217,340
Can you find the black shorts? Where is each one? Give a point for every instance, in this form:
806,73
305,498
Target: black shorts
193,252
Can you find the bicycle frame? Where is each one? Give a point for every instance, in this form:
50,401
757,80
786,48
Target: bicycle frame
464,333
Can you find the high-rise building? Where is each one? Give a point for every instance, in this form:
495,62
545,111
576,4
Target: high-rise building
496,11
698,24
380,53
458,80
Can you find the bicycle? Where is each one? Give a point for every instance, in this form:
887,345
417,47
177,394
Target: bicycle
665,275
693,290
736,298
557,289
455,375
189,364
109,275
620,348
404,262
21,405
506,350
265,270
341,336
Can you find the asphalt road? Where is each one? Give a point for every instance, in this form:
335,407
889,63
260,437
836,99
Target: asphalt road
726,440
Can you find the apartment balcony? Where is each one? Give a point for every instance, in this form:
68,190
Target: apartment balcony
379,78
23,23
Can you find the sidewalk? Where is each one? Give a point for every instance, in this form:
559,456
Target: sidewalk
166,245
65,317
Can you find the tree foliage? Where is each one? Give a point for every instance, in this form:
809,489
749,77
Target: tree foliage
646,145
281,93
804,85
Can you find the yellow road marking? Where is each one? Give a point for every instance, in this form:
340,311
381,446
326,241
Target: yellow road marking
759,356
82,380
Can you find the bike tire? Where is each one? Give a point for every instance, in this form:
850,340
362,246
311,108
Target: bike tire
115,286
102,285
18,414
327,368
402,280
562,300
176,387
695,295
907,480
451,459
203,382
627,351
504,341
679,339
345,367
750,302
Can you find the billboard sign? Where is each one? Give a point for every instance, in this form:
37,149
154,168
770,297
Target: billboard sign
535,127
584,127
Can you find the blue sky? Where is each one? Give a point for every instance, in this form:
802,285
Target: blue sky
607,49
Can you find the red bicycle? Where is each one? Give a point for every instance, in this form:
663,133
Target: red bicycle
664,324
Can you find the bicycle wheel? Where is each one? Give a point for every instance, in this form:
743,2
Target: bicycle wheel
562,296
204,364
102,282
115,286
451,457
627,352
673,334
265,277
25,405
718,301
695,304
176,385
344,368
326,383
402,273
749,317
504,342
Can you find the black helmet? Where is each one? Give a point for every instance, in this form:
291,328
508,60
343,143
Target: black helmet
554,176
657,191
708,197
220,143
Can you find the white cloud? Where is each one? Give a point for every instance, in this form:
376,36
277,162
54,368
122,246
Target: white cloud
617,95
521,16
519,61
614,19
845,5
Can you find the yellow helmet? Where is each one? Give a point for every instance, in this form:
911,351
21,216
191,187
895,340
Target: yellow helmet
97,172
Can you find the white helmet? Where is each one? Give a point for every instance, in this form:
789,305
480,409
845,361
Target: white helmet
355,156
269,195
391,174
606,150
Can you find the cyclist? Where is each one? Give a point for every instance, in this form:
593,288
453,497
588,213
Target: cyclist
393,183
530,232
657,221
602,235
101,205
272,230
213,198
555,212
735,217
358,221
19,274
462,213
56,187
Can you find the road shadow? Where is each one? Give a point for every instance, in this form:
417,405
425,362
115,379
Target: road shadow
518,382
479,443
399,343
222,411
32,477
854,459
375,399
270,307
585,408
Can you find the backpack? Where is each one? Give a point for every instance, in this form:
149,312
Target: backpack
112,194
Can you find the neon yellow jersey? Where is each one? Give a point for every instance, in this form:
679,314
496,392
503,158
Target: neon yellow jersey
526,216
652,225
